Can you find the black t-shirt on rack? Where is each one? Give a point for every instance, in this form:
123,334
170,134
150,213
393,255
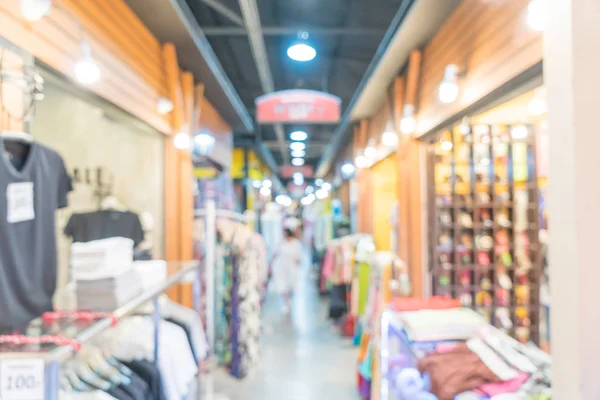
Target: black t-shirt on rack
104,224
30,193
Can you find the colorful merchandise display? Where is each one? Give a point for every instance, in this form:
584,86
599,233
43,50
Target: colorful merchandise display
240,276
485,224
386,275
454,354
346,268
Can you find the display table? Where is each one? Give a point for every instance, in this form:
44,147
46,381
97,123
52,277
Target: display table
454,354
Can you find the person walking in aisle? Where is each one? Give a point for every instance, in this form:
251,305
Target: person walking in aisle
285,267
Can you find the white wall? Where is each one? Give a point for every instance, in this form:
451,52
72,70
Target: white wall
87,136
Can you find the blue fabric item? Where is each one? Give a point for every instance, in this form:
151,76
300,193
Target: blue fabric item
366,366
358,334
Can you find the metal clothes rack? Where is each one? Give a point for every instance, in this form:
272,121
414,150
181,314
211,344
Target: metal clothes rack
210,213
54,358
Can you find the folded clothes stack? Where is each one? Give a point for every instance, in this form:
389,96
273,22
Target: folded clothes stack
104,273
442,325
151,273
100,259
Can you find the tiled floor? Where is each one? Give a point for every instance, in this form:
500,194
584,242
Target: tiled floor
303,357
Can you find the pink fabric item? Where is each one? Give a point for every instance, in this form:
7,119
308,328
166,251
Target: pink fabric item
494,389
328,266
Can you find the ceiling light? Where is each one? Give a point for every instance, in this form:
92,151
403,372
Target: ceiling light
536,15
519,132
164,105
348,170
182,141
464,126
309,189
408,123
319,182
299,180
370,151
301,52
326,186
34,10
298,162
321,194
308,200
256,184
298,136
448,91
446,145
265,191
204,143
537,105
297,146
87,71
389,137
298,153
361,162
267,183
283,200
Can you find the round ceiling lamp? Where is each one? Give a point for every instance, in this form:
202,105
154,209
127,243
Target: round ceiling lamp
204,143
297,146
301,52
298,162
298,153
298,136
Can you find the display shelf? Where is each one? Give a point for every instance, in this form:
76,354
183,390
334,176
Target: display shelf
483,221
81,332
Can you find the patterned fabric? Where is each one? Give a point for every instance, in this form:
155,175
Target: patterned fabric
239,285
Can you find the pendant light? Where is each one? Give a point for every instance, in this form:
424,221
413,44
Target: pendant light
348,169
408,123
204,143
370,150
34,10
87,71
536,14
182,141
389,137
448,91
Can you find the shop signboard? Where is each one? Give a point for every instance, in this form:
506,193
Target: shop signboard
288,171
298,106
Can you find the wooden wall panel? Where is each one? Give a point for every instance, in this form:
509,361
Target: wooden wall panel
384,176
128,55
489,41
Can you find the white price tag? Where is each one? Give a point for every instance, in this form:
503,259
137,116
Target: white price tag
19,199
22,379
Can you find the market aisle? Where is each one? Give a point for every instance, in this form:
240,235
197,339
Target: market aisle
303,357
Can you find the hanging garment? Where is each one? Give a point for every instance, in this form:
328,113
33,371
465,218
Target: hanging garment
85,227
28,258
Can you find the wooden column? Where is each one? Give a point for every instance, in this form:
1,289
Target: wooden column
363,178
410,243
172,252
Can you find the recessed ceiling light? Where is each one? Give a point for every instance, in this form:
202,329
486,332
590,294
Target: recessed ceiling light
301,52
297,146
298,136
298,153
298,162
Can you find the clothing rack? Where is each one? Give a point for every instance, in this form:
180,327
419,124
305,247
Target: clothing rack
54,358
210,213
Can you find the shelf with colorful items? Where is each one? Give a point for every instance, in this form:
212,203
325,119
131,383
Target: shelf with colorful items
485,224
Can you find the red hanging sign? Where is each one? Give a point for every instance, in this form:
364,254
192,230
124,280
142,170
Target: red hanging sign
298,106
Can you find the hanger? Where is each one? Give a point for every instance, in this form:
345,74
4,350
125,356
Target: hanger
17,136
112,203
93,357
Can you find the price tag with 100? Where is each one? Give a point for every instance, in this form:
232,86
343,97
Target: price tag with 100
22,379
